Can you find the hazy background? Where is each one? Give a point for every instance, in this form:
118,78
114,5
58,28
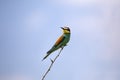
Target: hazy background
29,28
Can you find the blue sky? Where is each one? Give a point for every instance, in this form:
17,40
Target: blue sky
29,28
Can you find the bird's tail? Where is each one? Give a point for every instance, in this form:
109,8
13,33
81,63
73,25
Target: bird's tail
48,53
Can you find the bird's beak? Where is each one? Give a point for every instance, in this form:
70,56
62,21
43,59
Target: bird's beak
61,27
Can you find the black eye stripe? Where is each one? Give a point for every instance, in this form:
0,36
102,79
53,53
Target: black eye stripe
67,29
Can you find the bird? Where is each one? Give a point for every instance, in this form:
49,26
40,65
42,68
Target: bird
61,41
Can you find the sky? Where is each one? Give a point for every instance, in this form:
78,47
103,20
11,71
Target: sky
29,28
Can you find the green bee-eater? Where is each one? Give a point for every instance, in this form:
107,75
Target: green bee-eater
61,42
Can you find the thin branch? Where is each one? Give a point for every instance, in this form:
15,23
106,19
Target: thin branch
52,62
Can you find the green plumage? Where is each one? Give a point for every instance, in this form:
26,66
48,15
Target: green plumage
61,42
66,38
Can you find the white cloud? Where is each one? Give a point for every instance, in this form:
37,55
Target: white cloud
86,2
104,27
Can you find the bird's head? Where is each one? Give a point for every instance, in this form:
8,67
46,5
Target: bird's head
65,29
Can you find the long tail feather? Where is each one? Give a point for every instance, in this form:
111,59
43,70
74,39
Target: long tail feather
48,53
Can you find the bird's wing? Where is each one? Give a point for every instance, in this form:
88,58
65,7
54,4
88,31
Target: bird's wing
60,40
57,45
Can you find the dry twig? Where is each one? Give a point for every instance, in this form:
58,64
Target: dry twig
52,62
